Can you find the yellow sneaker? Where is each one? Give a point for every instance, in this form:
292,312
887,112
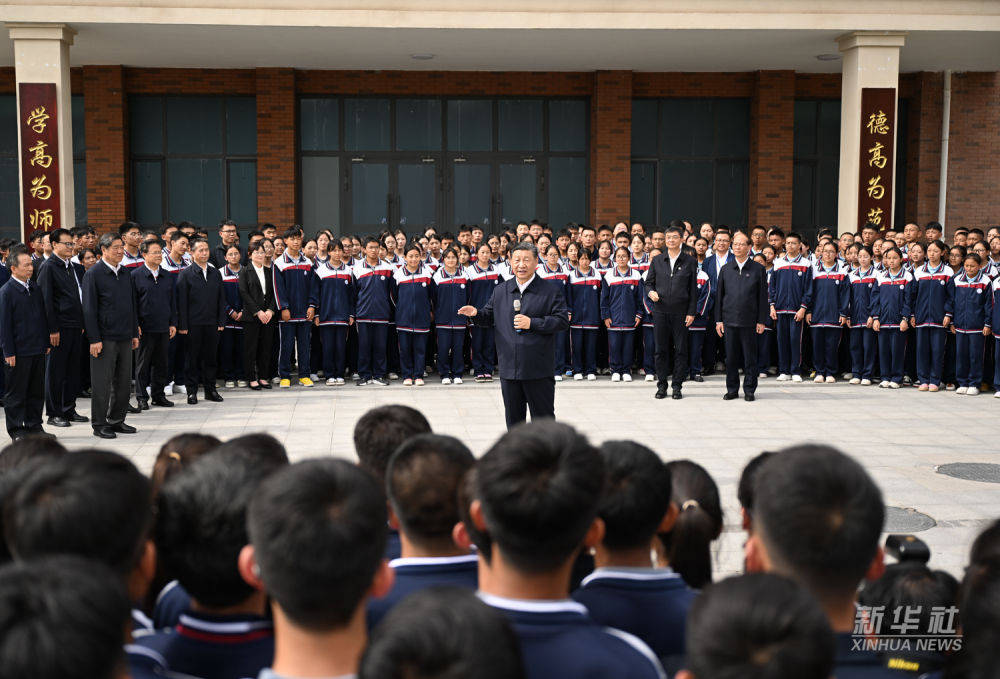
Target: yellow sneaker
305,382
285,383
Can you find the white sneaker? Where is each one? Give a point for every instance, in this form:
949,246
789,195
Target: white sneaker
407,382
242,384
961,390
855,380
578,377
457,380
973,391
831,379
418,382
818,379
796,378
230,384
276,380
558,378
866,383
445,380
894,385
332,382
149,391
848,376
591,377
884,384
341,382
762,375
626,378
650,377
996,395
393,376
784,377
314,377
168,390
180,389
616,377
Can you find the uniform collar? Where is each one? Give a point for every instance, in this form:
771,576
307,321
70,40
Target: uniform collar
532,605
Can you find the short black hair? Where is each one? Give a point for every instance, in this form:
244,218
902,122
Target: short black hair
54,236
744,489
93,503
539,485
443,633
318,529
912,585
525,246
820,516
264,447
128,226
636,494
28,449
146,244
381,430
62,617
292,232
758,626
699,523
422,481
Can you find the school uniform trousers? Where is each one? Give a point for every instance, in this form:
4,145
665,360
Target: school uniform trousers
257,337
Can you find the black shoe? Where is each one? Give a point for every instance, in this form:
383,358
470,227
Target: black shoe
77,417
192,399
265,384
697,378
162,402
85,393
133,409
213,396
255,387
123,428
57,421
749,397
730,397
143,404
105,433
676,395
661,392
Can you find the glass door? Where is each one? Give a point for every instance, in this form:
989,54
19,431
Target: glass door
416,196
370,196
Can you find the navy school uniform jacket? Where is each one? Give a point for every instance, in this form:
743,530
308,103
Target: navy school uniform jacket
641,264
415,574
891,298
155,299
650,603
706,302
24,328
172,267
231,293
559,275
789,282
602,269
621,299
451,293
481,282
971,300
995,303
335,294
172,600
851,663
374,287
828,298
200,300
559,640
130,261
862,284
109,310
931,295
583,296
294,286
414,292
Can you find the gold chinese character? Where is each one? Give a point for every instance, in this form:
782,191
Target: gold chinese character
875,190
36,119
877,159
39,157
39,189
40,219
878,123
875,216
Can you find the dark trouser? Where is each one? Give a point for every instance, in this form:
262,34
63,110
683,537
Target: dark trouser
371,349
292,335
863,352
764,341
151,365
562,344
316,351
257,341
483,349
825,344
24,394
333,339
789,344
62,373
710,349
620,350
412,353
351,361
648,349
584,341
449,341
969,358
930,355
537,395
741,352
392,345
671,335
110,375
203,342
910,354
231,353
949,358
891,349
177,360
697,337
996,363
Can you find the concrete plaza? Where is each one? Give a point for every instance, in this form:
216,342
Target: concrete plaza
899,436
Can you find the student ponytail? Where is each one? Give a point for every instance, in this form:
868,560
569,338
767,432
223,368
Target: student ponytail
699,522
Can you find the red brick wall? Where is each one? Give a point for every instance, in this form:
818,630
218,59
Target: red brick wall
105,104
817,86
693,84
190,81
446,83
276,194
772,128
610,147
923,145
974,150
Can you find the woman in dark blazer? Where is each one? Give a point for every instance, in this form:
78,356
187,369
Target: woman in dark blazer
259,318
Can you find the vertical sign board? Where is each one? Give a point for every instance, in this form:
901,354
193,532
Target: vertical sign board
39,122
878,135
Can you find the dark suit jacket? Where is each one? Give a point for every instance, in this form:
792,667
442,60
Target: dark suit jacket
200,302
742,301
61,288
531,354
156,300
109,307
24,330
255,299
678,289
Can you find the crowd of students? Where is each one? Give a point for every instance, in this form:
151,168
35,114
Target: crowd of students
547,557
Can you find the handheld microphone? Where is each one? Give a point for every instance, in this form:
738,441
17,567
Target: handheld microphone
517,310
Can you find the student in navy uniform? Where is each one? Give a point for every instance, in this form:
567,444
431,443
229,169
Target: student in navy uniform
626,591
256,286
971,301
112,325
891,298
156,302
59,280
553,268
422,483
295,292
375,284
482,276
583,298
863,339
788,285
336,297
994,292
414,295
201,311
535,531
24,339
200,531
827,302
758,625
451,293
932,314
739,316
317,532
231,339
622,311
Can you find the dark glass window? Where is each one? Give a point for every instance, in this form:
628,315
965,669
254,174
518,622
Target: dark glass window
418,124
79,160
568,125
816,168
470,125
520,125
367,124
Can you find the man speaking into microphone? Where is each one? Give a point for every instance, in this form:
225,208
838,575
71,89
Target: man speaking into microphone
525,312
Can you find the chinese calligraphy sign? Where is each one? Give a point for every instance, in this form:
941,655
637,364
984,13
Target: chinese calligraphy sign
878,143
38,120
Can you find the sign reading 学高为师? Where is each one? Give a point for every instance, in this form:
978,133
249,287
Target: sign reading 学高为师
38,119
878,136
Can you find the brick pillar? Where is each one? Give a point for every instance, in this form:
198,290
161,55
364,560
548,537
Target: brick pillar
107,147
772,130
610,147
276,194
973,149
923,139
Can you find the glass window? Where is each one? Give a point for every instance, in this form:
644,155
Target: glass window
241,127
417,197
686,190
370,194
643,197
730,193
194,125
319,124
816,162
470,125
10,208
243,191
732,127
146,117
520,125
472,194
686,127
320,191
367,124
567,191
147,191
8,125
644,122
567,125
517,193
79,126
418,124
80,190
195,190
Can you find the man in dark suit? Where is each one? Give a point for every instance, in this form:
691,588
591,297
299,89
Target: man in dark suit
525,312
157,308
24,338
201,307
112,326
720,256
60,282
741,311
672,286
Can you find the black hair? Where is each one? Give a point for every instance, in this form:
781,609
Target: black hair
758,626
699,522
914,586
443,633
979,608
934,225
128,226
673,229
636,494
381,430
93,503
820,516
54,236
987,544
979,232
62,617
795,235
264,447
292,232
411,246
28,449
539,486
177,453
526,247
254,246
744,489
971,255
318,529
371,239
146,244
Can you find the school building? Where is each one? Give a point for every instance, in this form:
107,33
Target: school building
359,116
